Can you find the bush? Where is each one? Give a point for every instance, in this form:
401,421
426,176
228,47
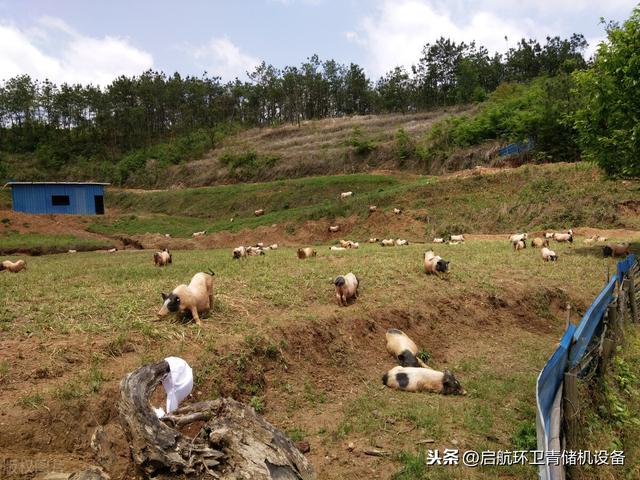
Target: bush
525,437
361,145
405,146
514,113
607,120
249,164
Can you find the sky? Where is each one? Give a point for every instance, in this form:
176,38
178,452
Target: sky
88,41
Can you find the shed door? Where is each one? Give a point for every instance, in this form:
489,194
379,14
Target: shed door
99,199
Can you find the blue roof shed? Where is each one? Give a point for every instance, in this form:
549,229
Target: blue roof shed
73,198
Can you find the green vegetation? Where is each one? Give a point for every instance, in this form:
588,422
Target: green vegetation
144,166
610,418
360,144
414,466
129,132
257,403
108,303
607,120
35,242
546,93
32,401
248,165
530,197
405,146
514,112
211,208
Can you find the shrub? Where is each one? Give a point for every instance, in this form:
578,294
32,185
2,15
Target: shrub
514,113
607,120
361,145
405,146
249,164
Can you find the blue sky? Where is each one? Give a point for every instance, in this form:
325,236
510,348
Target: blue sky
90,41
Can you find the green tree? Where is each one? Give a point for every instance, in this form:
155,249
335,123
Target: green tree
608,120
394,91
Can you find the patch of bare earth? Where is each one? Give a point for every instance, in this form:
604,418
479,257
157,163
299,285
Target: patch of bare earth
337,355
47,224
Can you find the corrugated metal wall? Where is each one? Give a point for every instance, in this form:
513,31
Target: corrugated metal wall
38,198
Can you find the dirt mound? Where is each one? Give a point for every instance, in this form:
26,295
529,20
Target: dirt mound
47,224
630,207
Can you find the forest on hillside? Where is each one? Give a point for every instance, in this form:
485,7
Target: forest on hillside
106,132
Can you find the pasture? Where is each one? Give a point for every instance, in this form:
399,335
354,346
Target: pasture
73,325
531,197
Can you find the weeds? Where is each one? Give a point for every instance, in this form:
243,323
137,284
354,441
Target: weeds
525,436
257,403
31,401
4,369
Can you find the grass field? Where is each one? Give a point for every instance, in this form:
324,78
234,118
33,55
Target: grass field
276,339
35,243
532,197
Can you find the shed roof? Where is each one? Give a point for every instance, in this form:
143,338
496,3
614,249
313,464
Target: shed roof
54,183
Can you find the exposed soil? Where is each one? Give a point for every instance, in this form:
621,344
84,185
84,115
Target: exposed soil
47,224
333,355
308,233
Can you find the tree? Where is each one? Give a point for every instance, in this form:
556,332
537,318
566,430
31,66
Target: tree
394,91
608,120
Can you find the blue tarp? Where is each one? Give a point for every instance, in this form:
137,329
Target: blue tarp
516,148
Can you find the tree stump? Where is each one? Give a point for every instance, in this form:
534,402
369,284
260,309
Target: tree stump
234,442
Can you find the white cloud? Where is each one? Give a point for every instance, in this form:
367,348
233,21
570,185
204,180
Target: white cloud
54,50
593,45
222,58
398,31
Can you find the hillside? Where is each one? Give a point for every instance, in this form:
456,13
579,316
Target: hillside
475,201
316,147
276,340
298,211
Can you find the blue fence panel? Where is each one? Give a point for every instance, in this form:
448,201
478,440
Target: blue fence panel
571,350
551,376
625,265
591,322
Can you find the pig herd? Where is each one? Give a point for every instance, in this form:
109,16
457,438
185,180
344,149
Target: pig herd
412,374
519,242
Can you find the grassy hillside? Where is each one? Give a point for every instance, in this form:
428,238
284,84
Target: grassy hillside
481,201
276,339
36,244
316,147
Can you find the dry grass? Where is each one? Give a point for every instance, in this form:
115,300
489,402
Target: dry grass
317,147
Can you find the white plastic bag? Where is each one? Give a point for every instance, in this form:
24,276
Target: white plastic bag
178,384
